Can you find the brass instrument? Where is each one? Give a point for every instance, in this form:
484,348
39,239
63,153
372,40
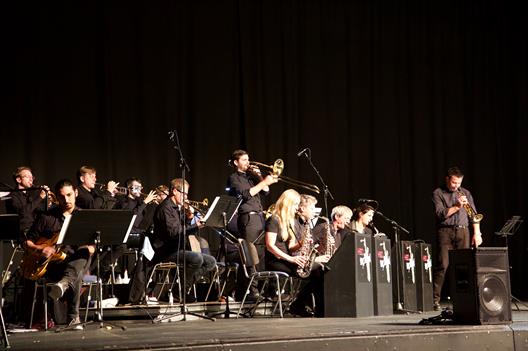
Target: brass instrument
123,190
308,250
329,243
472,214
201,206
276,169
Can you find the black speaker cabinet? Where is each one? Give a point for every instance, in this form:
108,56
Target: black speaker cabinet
406,268
480,285
424,275
382,275
348,284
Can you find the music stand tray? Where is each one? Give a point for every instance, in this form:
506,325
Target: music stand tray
221,211
99,227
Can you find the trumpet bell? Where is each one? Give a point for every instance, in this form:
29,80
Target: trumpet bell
278,167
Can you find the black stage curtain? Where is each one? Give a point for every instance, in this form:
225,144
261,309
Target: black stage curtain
387,94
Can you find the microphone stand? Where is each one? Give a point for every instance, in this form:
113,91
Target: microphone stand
173,136
326,190
396,227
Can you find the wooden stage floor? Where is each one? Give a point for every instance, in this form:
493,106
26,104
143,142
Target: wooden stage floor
396,332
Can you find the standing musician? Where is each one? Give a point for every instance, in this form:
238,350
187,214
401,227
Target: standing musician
40,244
452,222
339,221
246,182
281,244
90,197
168,236
26,203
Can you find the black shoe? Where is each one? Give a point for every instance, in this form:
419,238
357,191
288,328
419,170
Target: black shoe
301,311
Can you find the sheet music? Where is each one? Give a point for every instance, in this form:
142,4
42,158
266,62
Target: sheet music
211,208
64,228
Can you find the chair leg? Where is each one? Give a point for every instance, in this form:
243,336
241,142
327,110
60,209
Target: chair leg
245,295
45,300
33,305
88,298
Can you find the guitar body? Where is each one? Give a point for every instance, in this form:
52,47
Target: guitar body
33,265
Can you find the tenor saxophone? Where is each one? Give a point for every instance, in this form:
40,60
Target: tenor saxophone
329,242
308,250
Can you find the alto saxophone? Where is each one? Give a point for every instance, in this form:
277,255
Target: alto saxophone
308,250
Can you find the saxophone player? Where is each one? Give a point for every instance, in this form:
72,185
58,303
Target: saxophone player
281,245
451,203
332,232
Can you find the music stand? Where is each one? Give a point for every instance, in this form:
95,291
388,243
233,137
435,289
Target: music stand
9,230
99,227
218,216
509,229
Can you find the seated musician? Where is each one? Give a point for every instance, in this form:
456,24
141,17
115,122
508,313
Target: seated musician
281,245
67,273
337,228
362,219
168,239
89,196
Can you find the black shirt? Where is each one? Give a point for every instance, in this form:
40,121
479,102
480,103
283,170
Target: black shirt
320,231
168,228
273,226
94,199
239,184
27,205
136,205
443,199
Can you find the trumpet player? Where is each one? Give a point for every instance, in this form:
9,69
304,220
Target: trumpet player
134,201
27,201
90,197
248,183
451,204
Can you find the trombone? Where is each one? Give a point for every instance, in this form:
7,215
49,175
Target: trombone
276,169
201,206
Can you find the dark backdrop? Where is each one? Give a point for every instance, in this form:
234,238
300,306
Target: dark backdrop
387,94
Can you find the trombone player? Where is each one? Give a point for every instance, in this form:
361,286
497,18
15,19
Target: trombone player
455,211
248,183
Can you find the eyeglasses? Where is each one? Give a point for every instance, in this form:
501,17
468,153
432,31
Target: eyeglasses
182,192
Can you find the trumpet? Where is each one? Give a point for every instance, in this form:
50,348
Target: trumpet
200,206
472,214
276,169
123,190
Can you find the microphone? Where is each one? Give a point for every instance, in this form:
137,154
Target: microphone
367,200
302,151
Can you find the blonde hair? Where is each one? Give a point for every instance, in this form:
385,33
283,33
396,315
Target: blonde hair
284,211
341,211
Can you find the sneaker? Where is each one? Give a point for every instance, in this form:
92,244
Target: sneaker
437,307
56,290
75,324
301,311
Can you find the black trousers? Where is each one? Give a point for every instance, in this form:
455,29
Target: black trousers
448,238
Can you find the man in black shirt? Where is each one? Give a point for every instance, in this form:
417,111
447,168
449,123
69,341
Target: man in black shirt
134,201
26,203
452,222
169,240
339,221
68,273
247,183
90,197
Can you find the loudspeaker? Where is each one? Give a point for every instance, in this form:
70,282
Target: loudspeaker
382,269
348,281
480,285
424,274
407,272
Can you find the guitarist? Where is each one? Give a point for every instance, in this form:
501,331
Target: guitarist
40,245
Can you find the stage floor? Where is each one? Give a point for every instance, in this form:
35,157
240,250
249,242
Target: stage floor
396,332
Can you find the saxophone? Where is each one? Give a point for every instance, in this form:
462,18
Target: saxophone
308,250
329,243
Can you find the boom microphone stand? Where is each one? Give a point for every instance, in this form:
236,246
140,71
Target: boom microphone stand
173,137
396,227
326,191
